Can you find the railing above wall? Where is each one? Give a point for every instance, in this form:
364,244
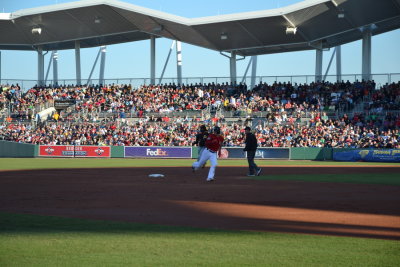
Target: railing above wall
380,79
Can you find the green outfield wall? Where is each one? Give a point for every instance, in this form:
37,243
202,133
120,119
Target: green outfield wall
20,150
195,150
117,152
310,153
17,150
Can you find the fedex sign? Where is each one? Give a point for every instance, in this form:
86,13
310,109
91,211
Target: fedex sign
158,152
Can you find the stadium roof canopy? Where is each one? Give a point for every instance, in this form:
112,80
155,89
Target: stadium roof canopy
319,24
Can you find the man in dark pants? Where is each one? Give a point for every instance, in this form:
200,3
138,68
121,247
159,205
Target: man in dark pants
201,141
251,148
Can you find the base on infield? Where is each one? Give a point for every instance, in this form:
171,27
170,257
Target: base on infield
156,175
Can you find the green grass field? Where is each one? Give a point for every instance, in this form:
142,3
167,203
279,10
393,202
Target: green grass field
359,178
45,163
32,240
28,240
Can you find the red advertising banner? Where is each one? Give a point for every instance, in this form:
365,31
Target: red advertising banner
56,151
92,151
74,151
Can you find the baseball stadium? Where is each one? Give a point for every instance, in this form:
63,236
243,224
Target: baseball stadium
251,170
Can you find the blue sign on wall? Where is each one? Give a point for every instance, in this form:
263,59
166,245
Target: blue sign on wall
158,152
373,155
261,153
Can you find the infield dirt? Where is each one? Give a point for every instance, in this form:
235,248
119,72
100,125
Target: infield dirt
231,202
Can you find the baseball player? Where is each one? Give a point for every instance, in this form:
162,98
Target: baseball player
201,141
212,146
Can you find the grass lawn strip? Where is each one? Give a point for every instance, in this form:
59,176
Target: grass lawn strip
359,178
53,241
55,163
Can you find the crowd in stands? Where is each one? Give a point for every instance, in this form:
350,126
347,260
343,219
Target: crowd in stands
277,97
345,132
283,102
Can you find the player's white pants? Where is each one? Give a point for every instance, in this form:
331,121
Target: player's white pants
207,155
199,151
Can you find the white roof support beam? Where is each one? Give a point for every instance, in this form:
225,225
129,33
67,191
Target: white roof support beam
366,55
0,67
329,65
232,61
179,61
253,63
253,72
247,69
89,80
40,77
48,67
318,64
166,61
103,50
55,68
78,63
338,63
152,60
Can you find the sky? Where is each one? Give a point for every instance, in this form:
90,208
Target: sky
132,60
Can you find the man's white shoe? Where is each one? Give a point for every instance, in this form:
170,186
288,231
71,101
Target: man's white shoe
210,179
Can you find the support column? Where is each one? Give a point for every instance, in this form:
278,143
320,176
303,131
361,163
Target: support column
48,68
152,60
318,64
0,67
89,80
366,55
253,72
78,62
40,78
329,65
166,62
232,61
339,63
179,61
55,68
102,64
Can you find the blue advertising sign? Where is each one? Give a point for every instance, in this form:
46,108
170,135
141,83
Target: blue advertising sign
158,152
373,155
261,153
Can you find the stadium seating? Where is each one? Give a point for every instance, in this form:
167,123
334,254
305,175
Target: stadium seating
282,114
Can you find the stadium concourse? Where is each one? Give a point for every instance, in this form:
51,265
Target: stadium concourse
320,114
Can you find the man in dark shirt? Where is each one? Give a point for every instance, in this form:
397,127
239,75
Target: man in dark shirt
201,140
251,148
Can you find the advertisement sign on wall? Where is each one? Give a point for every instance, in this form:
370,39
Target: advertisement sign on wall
92,151
372,155
158,152
56,151
74,151
262,153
